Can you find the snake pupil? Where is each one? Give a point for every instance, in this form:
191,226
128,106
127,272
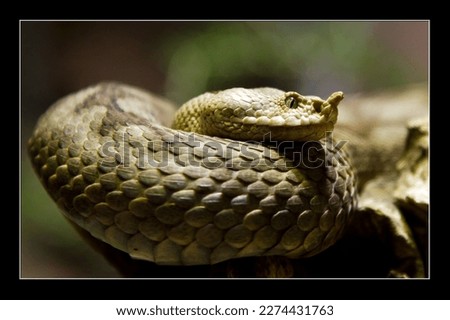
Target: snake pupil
291,102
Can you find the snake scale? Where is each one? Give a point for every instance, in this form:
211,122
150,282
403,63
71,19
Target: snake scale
254,178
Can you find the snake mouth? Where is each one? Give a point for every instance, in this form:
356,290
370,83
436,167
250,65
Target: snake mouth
312,132
297,121
265,133
292,128
278,128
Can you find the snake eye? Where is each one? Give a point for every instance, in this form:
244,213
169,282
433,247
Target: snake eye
291,102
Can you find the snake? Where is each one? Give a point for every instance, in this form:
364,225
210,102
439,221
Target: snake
238,172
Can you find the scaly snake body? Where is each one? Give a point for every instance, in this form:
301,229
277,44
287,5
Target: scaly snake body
179,198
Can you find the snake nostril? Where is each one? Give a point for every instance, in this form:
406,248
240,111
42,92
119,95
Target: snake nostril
318,106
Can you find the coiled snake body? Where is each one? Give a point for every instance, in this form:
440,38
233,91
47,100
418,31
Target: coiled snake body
175,197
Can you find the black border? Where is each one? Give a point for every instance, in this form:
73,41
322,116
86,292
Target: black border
231,289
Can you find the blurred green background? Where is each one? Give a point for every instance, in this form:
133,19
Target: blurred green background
181,60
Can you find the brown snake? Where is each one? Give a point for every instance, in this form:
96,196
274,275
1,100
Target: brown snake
175,197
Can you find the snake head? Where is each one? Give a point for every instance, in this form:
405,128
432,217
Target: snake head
310,116
260,114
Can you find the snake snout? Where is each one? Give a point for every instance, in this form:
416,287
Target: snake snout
335,98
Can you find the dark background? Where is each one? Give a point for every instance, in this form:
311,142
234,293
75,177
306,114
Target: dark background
181,60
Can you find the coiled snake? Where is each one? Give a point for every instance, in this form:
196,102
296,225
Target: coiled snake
174,197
